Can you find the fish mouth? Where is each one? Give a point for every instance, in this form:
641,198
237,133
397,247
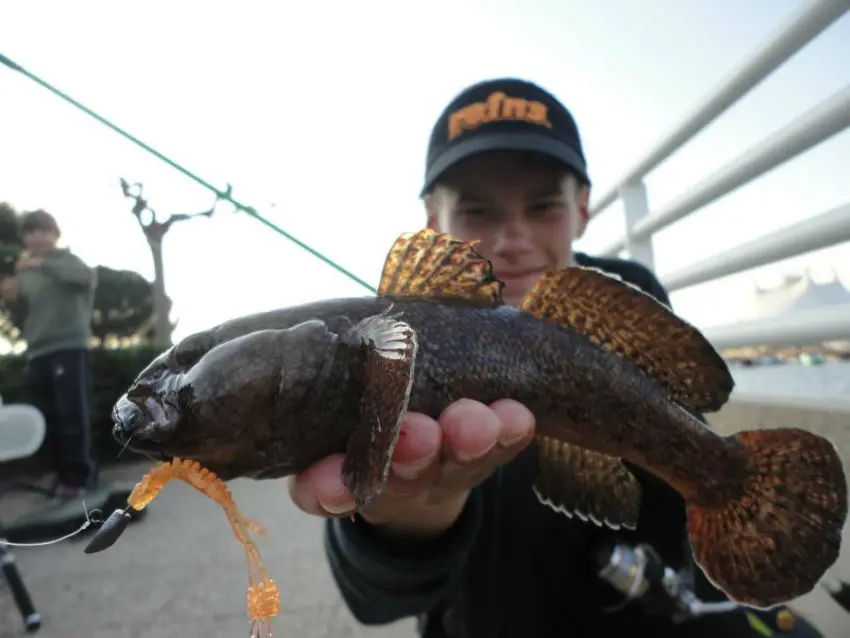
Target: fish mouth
144,422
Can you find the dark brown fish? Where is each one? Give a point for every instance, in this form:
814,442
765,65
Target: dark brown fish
609,373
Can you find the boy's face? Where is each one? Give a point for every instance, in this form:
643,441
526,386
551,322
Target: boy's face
522,210
40,241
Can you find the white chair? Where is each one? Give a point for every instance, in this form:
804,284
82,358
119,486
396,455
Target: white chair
22,430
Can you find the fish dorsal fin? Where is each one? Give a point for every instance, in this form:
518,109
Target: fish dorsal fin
431,264
624,319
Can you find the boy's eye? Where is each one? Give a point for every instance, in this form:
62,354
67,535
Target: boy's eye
545,206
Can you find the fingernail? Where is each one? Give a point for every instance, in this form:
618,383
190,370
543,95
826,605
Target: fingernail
512,440
466,457
336,510
411,471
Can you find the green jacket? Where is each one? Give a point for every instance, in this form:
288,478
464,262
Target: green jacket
58,300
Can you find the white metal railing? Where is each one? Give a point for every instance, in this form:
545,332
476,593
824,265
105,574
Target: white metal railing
803,326
823,231
808,130
804,132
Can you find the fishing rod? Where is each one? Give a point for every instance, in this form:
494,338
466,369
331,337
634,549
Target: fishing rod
224,195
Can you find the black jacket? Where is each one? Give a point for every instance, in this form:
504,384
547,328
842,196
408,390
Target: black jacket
511,567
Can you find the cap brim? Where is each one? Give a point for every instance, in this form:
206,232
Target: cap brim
529,142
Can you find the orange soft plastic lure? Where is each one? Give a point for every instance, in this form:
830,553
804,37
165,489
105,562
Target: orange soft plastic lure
263,598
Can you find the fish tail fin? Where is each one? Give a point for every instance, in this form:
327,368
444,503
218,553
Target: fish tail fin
779,530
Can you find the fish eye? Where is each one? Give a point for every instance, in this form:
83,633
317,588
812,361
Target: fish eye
190,350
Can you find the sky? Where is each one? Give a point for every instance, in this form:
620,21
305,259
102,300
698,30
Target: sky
318,114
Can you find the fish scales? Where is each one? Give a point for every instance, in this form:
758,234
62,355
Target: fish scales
577,391
610,374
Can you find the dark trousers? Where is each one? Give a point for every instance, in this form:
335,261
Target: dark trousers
60,386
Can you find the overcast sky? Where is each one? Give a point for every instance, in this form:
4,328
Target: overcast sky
325,111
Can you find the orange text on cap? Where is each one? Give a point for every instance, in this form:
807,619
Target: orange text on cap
498,107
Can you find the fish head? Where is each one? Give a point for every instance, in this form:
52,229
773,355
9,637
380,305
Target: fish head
149,412
145,414
216,399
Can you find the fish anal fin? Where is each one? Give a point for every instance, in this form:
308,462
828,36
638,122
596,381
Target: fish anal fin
431,264
624,319
391,346
584,483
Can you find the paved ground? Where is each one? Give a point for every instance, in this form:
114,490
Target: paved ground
181,573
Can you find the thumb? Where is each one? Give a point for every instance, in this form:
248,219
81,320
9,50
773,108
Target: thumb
319,490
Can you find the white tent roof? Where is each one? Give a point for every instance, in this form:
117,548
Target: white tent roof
797,292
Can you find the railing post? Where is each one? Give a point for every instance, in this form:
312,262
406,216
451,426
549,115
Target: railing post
636,207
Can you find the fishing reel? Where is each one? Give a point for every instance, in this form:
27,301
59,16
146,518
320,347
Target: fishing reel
640,575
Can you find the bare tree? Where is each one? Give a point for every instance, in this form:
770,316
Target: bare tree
155,231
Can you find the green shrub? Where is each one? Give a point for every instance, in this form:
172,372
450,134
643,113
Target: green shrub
113,370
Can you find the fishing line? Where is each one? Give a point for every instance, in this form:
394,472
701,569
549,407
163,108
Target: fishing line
126,445
225,195
89,522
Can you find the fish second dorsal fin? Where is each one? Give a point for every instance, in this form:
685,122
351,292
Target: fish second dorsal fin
431,264
624,319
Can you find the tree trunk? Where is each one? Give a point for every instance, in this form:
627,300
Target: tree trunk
162,304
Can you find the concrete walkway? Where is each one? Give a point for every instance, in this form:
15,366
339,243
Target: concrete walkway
180,572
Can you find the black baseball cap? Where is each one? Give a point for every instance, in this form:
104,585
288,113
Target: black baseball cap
505,114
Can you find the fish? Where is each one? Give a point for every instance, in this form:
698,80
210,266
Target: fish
613,377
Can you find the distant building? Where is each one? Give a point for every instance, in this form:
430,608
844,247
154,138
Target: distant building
798,292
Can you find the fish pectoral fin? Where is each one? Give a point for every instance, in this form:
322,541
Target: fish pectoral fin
587,484
432,264
391,346
624,319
